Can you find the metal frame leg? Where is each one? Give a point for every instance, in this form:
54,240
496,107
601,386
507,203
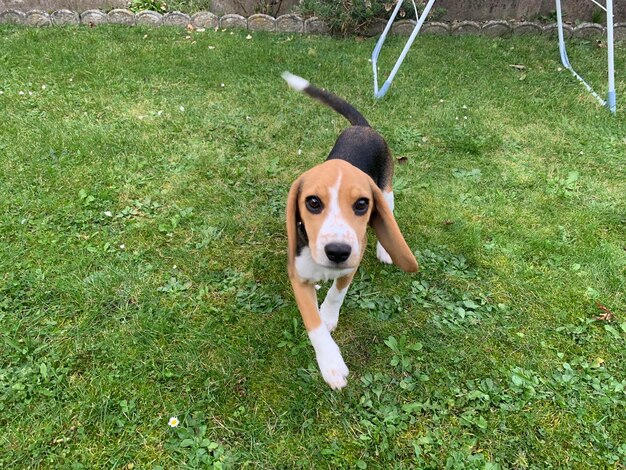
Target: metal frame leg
379,45
611,99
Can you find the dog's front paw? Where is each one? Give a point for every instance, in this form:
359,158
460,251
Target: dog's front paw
382,254
333,369
329,360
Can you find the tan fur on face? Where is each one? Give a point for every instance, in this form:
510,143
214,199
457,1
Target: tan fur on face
338,186
354,184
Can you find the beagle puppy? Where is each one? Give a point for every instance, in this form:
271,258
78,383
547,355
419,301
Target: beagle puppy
328,210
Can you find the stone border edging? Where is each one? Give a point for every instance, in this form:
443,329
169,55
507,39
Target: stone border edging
292,23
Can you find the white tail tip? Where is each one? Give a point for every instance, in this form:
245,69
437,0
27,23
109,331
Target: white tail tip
295,82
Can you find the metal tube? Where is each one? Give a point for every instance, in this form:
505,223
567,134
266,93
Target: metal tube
408,44
420,21
610,100
600,5
379,44
565,59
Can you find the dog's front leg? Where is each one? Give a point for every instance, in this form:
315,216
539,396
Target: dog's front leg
329,310
329,360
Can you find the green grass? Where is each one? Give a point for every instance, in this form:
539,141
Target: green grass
142,256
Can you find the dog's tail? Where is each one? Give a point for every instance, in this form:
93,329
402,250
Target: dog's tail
334,102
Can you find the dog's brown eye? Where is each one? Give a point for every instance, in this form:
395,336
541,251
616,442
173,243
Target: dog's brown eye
360,206
313,204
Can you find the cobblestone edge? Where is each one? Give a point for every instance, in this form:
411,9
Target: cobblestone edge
292,23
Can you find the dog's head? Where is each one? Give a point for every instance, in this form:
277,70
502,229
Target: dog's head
328,210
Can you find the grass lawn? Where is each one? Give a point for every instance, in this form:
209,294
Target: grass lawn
143,178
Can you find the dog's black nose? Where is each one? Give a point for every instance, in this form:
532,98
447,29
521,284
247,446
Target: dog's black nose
338,252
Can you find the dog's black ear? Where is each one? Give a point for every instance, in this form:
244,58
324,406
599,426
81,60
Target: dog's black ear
293,218
388,233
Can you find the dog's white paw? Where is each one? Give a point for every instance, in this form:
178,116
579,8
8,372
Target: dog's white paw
333,369
382,254
329,360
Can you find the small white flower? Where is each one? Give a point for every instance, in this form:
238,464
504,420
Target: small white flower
200,30
140,117
464,107
30,93
248,37
299,151
222,85
464,117
159,113
441,101
122,246
1,92
21,93
108,214
43,87
173,422
211,48
182,109
71,79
